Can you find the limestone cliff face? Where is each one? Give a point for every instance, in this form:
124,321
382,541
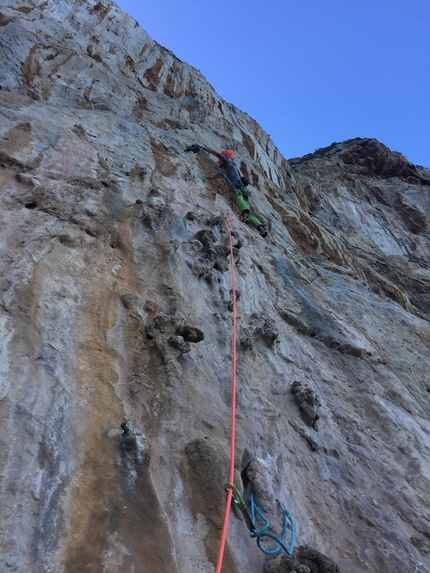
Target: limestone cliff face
116,306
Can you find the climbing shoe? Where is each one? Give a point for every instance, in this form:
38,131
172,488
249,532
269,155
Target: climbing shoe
262,231
244,218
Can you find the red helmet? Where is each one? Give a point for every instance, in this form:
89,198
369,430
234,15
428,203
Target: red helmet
228,153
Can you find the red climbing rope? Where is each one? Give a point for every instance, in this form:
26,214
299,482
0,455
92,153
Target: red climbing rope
233,408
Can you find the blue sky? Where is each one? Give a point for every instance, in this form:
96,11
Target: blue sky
310,72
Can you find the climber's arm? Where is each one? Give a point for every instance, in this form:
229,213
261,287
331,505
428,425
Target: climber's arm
212,152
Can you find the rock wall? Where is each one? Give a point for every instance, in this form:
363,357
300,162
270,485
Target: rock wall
116,307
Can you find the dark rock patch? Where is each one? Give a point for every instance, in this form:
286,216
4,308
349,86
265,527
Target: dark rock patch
308,401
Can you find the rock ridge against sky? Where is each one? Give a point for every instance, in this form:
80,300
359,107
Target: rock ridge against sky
116,306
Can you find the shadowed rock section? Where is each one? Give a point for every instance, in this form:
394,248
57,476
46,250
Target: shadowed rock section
304,560
308,402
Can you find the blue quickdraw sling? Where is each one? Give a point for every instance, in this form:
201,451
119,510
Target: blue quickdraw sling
263,532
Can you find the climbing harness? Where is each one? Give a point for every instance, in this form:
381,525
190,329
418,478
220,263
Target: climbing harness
263,532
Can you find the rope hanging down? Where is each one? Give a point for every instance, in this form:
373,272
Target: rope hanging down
233,407
237,499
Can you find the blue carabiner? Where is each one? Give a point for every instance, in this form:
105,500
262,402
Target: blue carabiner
264,533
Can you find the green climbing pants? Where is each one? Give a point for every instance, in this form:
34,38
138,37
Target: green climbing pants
240,198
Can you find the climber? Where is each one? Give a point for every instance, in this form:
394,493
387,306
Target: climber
239,192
